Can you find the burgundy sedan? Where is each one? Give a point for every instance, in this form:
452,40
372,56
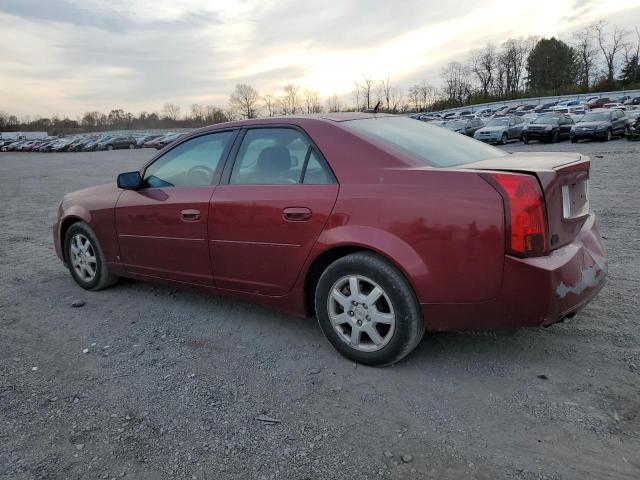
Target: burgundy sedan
380,226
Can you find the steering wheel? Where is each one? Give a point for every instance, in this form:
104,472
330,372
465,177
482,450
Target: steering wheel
198,171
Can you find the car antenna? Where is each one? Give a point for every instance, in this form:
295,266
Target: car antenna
374,109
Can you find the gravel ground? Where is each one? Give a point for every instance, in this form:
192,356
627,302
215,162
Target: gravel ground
145,381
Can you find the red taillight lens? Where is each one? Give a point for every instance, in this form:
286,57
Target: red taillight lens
524,212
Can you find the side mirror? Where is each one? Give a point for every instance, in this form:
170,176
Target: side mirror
130,180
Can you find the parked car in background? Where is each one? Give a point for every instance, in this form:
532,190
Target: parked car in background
545,106
337,217
598,102
500,130
613,105
632,101
140,141
466,126
600,125
548,128
163,141
484,112
117,143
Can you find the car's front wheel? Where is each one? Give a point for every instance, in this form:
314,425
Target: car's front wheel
504,139
367,310
85,258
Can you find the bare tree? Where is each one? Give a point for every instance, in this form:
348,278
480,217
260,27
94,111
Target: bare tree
396,98
582,42
290,100
357,96
270,102
513,61
245,100
171,111
611,44
197,113
421,96
482,63
312,101
384,92
333,104
455,83
366,90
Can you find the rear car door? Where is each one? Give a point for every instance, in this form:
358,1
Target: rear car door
162,227
619,122
269,210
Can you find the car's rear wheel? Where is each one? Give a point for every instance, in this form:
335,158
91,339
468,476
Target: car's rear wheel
109,147
525,139
554,137
367,310
131,146
608,135
85,258
503,140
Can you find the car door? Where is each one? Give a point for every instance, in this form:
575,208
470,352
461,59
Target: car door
269,211
620,122
565,126
515,128
162,227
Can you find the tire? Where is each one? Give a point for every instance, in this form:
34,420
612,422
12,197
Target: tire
78,234
574,140
554,137
131,146
525,139
608,135
504,139
109,147
401,327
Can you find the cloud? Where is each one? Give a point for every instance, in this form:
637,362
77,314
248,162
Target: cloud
70,56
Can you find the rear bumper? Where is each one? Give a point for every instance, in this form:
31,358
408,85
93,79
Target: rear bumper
535,291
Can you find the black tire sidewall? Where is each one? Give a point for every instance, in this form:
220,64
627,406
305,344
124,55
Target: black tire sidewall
405,306
85,230
504,139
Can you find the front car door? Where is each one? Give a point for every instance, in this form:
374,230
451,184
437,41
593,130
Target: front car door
162,227
515,127
269,210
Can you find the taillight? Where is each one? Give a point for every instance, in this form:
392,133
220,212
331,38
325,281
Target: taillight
525,214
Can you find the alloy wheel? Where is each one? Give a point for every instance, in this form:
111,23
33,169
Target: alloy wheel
83,257
361,313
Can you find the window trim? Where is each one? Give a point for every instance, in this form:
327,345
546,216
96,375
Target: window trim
221,163
233,157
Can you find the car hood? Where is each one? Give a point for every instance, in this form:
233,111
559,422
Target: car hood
592,124
90,192
492,129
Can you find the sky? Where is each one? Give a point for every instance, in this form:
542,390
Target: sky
65,57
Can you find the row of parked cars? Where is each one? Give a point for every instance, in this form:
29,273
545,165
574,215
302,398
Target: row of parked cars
544,125
88,143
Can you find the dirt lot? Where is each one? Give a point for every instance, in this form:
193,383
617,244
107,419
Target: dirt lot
173,382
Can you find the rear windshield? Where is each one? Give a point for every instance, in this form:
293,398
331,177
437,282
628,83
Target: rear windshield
498,122
596,117
428,144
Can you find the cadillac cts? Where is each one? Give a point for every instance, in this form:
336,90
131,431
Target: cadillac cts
380,226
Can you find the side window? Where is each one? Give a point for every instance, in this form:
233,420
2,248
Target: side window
316,172
270,156
190,164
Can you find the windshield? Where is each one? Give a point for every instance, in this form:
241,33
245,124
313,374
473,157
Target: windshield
429,145
498,122
596,117
547,119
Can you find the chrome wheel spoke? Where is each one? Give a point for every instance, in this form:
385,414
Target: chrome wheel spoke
355,336
340,298
374,296
340,319
378,317
374,335
353,287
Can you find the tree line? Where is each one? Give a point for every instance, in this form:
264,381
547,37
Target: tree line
598,58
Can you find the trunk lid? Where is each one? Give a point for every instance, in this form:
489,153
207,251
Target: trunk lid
564,181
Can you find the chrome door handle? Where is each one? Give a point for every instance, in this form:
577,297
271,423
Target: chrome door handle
296,214
190,215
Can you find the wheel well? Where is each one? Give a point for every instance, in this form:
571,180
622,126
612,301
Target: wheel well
64,227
